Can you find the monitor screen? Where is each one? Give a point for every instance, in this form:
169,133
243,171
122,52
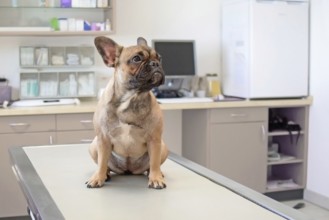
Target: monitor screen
177,57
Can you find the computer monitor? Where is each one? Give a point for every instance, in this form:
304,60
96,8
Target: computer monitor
178,58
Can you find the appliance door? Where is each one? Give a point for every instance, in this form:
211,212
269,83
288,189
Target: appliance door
280,49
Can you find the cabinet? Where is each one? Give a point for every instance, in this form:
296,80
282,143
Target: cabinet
35,130
29,17
19,131
75,128
288,170
229,141
237,142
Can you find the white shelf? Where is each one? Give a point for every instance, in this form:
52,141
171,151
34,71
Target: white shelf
283,133
280,162
280,189
54,33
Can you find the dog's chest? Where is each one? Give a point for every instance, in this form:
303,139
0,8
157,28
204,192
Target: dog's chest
128,140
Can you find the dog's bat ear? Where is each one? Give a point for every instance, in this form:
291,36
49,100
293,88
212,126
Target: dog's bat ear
141,41
108,49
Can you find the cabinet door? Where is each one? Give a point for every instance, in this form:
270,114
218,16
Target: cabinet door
238,151
75,137
12,201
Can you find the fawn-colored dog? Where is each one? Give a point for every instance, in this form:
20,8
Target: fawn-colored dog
128,119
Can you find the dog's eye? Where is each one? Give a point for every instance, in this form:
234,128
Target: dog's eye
136,59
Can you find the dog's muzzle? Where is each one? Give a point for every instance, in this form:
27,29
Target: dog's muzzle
158,78
157,73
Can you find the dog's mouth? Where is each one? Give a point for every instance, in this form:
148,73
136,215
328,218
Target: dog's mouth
157,78
147,81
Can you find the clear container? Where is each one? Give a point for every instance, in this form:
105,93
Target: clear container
86,84
48,84
72,57
29,85
57,56
87,56
26,56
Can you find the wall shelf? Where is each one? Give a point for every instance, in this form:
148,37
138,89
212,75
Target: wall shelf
54,33
31,20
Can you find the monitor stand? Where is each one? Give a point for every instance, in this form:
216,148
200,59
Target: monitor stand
170,88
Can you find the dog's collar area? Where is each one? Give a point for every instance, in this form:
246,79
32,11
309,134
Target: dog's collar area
136,125
131,124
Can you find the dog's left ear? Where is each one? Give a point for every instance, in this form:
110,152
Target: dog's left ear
108,49
141,41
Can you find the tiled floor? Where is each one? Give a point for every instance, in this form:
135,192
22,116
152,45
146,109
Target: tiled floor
313,211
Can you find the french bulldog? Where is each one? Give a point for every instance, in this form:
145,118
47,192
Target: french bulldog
128,120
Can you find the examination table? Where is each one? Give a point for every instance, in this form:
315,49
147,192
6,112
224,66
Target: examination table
53,179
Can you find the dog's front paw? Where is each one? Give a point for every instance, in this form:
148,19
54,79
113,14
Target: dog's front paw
97,180
156,181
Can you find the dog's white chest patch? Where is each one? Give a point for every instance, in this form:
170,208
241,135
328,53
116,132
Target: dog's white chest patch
125,136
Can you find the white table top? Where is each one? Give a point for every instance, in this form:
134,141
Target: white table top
63,170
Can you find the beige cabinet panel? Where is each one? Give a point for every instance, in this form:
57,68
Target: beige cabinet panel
31,123
81,121
237,115
12,201
230,141
238,151
75,137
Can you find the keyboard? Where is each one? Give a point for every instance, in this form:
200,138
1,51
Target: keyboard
184,100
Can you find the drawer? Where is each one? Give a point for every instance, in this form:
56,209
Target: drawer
80,121
75,137
22,124
238,115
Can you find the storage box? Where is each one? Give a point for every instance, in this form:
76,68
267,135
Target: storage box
66,4
5,91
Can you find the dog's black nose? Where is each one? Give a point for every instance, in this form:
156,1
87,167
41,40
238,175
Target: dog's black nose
154,63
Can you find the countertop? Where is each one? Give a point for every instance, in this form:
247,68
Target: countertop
90,105
193,192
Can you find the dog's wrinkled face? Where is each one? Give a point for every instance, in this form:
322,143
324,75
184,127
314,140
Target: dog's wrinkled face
138,67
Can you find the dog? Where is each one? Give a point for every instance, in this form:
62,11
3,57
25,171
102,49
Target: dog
128,120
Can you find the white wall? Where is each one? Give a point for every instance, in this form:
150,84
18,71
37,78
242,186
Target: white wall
318,165
152,19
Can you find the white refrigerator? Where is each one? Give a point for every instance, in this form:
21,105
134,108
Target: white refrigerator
265,48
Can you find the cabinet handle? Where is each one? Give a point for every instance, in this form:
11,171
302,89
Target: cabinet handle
263,132
235,115
86,121
86,140
19,124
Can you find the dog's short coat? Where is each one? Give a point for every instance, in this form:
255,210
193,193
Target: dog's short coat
128,119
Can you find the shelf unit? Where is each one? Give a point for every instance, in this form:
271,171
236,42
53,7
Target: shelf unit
294,145
53,57
30,19
36,85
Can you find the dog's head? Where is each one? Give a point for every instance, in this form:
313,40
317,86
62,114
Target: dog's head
138,67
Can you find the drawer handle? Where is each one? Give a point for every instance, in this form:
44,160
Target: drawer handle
86,140
235,115
86,121
263,133
19,124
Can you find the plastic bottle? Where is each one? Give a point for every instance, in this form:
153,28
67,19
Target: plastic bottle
107,25
72,85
